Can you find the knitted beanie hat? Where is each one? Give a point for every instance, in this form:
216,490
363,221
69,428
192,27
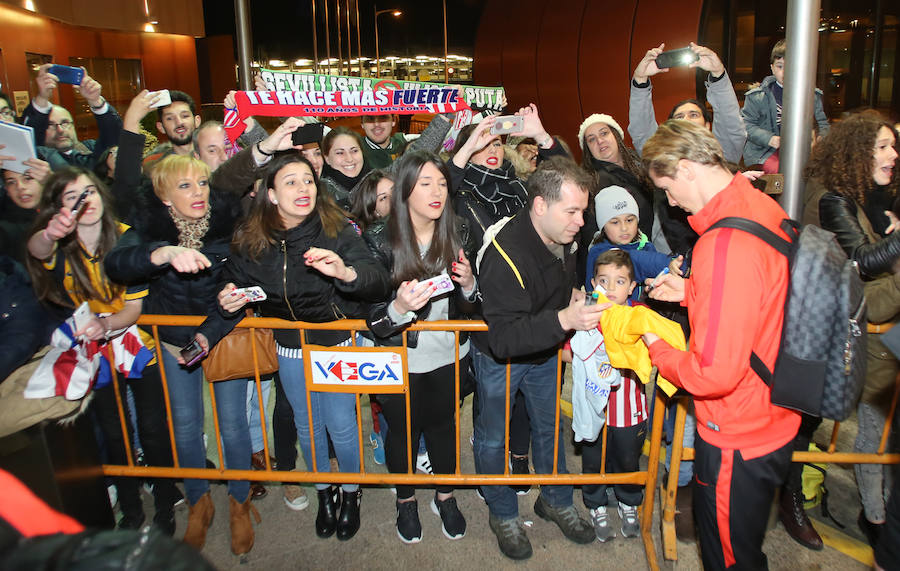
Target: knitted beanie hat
613,201
598,118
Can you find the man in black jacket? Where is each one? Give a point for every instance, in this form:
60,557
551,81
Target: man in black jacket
528,279
54,128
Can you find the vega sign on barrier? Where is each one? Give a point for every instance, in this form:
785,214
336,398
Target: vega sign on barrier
355,369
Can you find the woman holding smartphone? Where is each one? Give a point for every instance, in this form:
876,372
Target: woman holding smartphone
423,239
301,249
181,241
75,229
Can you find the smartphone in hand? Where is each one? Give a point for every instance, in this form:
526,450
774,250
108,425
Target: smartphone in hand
67,74
192,352
508,124
676,58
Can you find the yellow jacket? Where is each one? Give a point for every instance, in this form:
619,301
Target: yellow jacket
622,327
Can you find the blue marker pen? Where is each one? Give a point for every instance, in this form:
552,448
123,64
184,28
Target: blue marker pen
659,277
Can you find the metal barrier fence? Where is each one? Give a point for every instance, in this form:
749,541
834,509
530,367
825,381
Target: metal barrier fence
646,478
830,455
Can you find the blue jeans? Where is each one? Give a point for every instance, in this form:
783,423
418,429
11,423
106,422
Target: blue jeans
686,468
335,412
256,433
538,384
186,395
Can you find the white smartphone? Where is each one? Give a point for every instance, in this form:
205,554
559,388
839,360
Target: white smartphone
82,316
252,293
441,283
165,98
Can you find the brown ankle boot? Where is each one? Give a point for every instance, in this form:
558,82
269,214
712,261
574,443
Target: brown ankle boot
241,528
199,518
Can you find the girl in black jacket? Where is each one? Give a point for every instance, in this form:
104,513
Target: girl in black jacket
66,265
420,241
300,248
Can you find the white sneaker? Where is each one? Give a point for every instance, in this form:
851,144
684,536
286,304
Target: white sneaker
629,516
295,497
423,463
602,529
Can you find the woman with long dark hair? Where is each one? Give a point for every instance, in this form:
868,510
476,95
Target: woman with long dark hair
183,232
65,263
851,190
423,239
300,248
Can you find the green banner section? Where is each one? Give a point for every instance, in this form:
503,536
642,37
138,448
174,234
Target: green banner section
492,98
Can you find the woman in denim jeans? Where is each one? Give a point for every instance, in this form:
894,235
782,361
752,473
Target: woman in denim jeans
302,250
180,240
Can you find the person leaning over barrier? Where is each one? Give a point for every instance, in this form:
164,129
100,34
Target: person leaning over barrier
528,281
735,300
300,248
184,230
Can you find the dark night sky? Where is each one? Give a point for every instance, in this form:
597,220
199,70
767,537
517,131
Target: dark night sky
283,30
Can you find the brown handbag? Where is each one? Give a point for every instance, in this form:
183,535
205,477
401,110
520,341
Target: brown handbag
232,357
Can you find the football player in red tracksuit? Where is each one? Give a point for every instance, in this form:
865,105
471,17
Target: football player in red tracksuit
735,301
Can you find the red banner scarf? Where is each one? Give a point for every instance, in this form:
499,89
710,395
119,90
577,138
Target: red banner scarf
339,103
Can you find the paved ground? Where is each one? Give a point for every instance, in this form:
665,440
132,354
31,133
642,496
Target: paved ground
286,539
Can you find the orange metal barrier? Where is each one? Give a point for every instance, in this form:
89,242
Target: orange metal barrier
830,455
646,478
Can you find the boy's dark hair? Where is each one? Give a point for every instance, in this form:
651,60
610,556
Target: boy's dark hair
778,50
615,257
178,96
707,114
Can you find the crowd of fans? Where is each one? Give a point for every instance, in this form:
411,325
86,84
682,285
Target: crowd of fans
355,226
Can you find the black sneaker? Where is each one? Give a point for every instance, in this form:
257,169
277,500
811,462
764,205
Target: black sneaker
570,522
519,465
165,521
409,528
511,537
453,524
132,521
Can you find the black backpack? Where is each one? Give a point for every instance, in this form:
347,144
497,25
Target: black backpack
821,363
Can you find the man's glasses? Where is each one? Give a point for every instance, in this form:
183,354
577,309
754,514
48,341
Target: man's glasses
62,125
7,112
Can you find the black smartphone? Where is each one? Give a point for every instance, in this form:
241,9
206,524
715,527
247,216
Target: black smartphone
676,58
311,133
192,352
67,74
80,201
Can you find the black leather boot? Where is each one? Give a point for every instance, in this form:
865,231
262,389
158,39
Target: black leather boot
326,521
796,522
348,523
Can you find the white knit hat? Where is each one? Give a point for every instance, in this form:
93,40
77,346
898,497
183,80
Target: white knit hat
613,201
598,118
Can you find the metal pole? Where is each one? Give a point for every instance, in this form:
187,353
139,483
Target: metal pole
315,38
802,33
244,41
446,70
377,59
337,5
349,39
358,40
327,39
875,74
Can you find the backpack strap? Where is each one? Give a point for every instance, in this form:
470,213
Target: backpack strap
758,230
781,245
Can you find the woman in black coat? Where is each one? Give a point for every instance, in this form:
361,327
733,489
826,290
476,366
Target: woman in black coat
300,248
